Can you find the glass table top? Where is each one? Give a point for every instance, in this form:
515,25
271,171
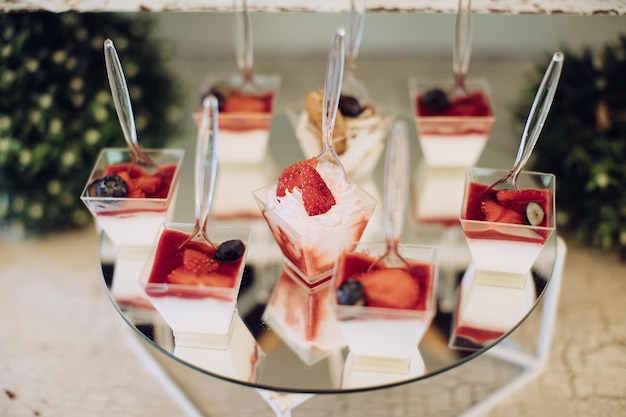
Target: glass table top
280,337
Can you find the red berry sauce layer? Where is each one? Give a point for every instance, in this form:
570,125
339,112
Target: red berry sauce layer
192,266
388,287
475,104
141,184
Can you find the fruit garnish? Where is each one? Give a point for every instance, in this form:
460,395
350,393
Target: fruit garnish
349,106
534,213
221,93
239,103
316,196
109,186
495,212
351,293
230,250
198,262
390,288
149,184
435,100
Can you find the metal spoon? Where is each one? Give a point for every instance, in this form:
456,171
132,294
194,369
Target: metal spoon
328,159
204,176
121,98
462,47
394,200
354,33
534,123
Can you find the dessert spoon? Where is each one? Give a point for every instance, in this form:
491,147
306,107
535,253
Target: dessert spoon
396,176
205,169
123,106
244,49
462,47
354,33
534,123
328,159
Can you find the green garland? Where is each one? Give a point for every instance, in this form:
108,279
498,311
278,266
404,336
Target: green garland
57,112
584,144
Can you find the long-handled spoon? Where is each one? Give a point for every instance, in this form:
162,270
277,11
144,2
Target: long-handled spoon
534,123
462,48
244,49
121,98
204,177
354,33
328,159
396,176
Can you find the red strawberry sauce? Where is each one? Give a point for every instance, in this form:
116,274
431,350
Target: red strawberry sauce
506,206
245,112
169,258
395,288
475,104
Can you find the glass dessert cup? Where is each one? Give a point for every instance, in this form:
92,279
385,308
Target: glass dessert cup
310,244
237,356
457,135
383,336
504,252
300,315
132,221
359,144
245,118
199,314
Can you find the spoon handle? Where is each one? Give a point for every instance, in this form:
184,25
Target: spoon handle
354,33
209,163
538,113
121,98
396,176
243,41
462,42
202,145
332,88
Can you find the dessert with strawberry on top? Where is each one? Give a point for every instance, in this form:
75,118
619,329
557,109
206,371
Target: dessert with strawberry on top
507,229
245,117
130,201
194,286
452,129
395,303
311,216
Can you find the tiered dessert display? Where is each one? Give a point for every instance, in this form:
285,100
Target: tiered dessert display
507,218
131,191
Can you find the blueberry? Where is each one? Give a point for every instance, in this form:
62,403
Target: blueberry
349,106
534,214
230,250
220,92
109,186
436,100
351,293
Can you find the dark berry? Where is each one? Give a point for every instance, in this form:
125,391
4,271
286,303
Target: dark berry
436,100
109,186
349,106
230,250
220,92
351,293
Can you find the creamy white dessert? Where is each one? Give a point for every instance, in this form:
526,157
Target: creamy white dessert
438,194
310,243
505,256
136,228
452,150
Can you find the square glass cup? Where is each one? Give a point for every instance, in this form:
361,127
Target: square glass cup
310,244
196,313
450,139
244,129
385,338
506,251
134,221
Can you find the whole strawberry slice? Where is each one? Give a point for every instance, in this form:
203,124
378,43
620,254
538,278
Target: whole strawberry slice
198,263
390,288
316,196
494,212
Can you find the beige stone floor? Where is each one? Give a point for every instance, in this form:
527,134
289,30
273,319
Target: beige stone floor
64,350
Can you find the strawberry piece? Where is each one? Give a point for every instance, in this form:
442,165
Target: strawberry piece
390,288
179,276
198,263
244,104
316,196
494,212
149,183
136,193
217,280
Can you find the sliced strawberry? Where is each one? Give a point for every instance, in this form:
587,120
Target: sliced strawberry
390,288
217,280
180,276
136,193
521,198
198,263
245,104
149,183
316,196
494,212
